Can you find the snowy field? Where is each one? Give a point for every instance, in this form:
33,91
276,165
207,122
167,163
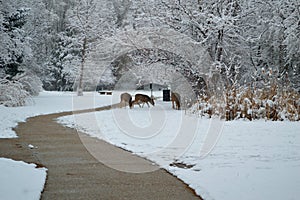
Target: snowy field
251,160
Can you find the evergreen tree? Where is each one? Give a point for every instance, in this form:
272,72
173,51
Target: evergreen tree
14,48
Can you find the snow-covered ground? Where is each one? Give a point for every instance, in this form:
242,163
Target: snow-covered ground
251,160
19,180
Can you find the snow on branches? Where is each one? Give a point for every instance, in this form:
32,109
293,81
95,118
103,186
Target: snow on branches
12,93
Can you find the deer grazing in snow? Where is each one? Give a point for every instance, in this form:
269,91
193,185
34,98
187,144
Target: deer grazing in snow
142,98
175,98
126,99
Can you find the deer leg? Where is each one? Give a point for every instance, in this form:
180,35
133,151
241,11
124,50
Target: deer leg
139,103
136,102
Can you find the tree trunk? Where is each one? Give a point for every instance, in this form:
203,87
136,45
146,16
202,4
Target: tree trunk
80,84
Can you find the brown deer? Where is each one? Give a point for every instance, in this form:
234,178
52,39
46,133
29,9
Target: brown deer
126,99
142,98
175,97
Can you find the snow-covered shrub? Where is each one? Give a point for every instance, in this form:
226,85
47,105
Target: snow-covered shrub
30,82
208,106
270,103
289,102
12,93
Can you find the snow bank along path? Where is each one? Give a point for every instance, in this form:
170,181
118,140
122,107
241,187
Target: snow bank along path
20,180
74,174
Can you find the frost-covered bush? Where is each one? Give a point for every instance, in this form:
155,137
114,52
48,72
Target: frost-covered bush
17,91
30,82
12,93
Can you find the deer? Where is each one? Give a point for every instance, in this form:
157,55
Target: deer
126,99
142,98
175,98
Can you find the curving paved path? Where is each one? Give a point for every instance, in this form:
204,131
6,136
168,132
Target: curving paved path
74,174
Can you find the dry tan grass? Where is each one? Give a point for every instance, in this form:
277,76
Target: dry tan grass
271,103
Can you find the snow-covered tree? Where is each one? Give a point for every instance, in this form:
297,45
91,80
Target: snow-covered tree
91,21
121,8
41,32
17,82
291,41
216,24
62,67
14,50
248,35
